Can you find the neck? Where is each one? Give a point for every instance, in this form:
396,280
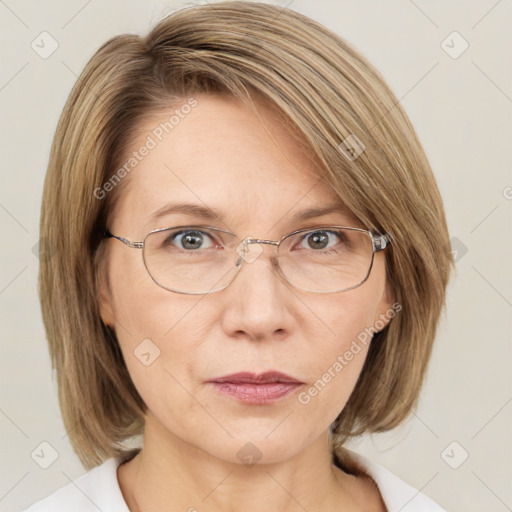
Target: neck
169,474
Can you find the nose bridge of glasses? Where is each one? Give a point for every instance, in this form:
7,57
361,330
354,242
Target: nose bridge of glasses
249,255
249,240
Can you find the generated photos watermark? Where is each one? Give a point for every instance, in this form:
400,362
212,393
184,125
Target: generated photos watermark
152,140
363,338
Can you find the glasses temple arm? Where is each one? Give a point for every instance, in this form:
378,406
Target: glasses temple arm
129,243
380,241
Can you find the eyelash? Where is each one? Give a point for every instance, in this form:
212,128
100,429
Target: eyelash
171,238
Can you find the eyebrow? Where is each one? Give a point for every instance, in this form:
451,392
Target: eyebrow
196,210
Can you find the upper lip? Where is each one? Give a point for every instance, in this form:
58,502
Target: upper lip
253,378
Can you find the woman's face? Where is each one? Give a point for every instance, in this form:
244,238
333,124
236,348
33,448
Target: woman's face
219,156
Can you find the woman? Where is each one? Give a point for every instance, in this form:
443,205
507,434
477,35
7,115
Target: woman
249,268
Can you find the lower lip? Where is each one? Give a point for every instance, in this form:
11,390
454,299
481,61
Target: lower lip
256,393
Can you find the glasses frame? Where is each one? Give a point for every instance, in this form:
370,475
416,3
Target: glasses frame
379,242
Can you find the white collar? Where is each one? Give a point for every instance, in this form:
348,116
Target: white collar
100,487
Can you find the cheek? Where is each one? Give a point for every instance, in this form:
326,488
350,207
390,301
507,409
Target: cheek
339,354
142,309
346,317
170,342
160,349
154,327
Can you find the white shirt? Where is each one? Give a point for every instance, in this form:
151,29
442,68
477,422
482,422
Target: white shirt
98,490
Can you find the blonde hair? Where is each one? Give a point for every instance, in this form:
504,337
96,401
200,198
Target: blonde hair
325,91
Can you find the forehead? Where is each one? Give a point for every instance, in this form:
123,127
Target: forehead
220,156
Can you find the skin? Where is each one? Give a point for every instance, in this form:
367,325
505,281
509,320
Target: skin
221,156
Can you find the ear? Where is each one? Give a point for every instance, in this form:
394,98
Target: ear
104,295
386,308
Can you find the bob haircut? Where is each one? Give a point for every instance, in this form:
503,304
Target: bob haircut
324,91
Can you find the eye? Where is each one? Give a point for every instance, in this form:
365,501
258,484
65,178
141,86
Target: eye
321,240
190,240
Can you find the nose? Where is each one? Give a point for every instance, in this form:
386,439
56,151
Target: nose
256,301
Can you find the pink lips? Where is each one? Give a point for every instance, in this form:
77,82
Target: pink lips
260,389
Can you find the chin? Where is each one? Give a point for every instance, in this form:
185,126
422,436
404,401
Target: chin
249,448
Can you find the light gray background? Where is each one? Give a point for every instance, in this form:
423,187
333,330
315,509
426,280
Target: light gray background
462,110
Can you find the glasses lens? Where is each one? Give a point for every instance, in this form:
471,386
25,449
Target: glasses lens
326,259
191,259
203,260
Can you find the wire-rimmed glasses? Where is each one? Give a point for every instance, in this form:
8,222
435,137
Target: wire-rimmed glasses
199,260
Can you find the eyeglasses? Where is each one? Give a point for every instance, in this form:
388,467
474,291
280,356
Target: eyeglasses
200,260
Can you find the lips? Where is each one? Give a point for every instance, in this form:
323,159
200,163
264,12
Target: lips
256,389
253,378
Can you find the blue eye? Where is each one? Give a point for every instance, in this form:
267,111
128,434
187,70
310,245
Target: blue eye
320,240
188,240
